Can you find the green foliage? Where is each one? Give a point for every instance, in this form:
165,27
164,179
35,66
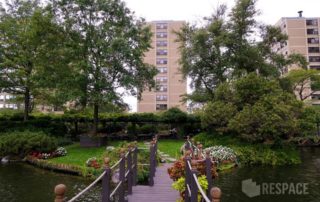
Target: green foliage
21,143
180,185
111,43
308,121
216,115
304,82
33,53
173,115
254,108
250,154
222,48
272,117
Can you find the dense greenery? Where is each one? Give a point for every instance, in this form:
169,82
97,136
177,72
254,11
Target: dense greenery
252,154
21,143
254,108
224,48
32,51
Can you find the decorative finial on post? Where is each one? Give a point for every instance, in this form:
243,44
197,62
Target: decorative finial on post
188,138
59,191
106,162
122,152
216,194
207,153
187,153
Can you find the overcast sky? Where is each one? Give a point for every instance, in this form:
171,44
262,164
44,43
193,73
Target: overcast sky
195,10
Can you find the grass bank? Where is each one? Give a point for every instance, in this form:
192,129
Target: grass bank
253,154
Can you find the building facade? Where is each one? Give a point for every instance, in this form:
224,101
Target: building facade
7,101
303,36
165,55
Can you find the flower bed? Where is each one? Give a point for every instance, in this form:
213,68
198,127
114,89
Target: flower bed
221,154
61,151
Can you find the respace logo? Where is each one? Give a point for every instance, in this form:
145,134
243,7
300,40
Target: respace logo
251,189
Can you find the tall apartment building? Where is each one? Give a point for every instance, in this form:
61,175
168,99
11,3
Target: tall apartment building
303,38
6,101
165,55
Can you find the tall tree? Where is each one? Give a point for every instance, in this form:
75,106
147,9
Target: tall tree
225,49
304,83
111,45
30,49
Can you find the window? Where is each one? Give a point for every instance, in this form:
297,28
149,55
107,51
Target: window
162,88
313,22
162,43
161,25
313,40
162,52
162,61
162,35
312,31
162,79
313,49
161,106
1,97
317,67
1,106
314,58
162,70
162,97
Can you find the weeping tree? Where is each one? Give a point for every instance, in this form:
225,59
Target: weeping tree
33,55
111,43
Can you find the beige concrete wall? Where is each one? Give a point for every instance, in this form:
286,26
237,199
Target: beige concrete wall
176,86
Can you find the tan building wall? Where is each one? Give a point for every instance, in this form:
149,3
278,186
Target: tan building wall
165,56
304,34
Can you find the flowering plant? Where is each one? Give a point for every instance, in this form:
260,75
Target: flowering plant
61,151
221,153
92,162
178,169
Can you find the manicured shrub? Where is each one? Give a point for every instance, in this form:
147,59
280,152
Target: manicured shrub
21,143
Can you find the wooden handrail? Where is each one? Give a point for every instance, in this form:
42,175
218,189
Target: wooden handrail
191,181
128,172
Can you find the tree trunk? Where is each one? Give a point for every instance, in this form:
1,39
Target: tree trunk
95,118
26,104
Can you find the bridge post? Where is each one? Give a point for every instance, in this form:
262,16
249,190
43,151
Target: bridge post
216,194
130,170
106,182
152,166
194,187
188,176
135,163
122,176
208,172
59,191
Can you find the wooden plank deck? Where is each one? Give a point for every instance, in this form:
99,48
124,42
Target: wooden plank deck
161,191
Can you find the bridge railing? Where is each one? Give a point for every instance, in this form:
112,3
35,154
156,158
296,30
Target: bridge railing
127,172
192,185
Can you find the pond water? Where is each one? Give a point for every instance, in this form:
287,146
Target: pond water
24,183
307,172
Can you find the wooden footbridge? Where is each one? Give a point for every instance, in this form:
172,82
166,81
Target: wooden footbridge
159,189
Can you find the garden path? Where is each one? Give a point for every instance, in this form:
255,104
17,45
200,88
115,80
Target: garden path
161,191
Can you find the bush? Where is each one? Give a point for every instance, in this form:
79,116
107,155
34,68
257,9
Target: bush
216,115
272,117
249,154
308,121
21,143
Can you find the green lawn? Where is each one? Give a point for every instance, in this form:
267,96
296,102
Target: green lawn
171,147
78,155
